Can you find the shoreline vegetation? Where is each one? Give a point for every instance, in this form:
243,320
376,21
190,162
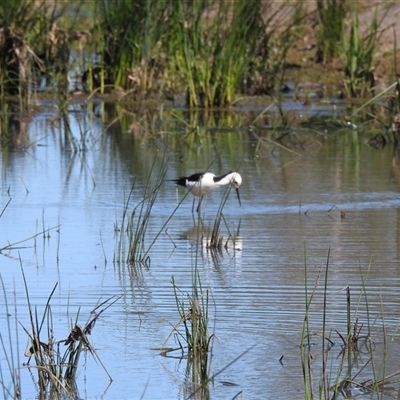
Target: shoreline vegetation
210,53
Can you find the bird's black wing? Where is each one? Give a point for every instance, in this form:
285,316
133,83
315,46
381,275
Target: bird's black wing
192,178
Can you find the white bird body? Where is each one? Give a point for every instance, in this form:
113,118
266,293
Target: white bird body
201,184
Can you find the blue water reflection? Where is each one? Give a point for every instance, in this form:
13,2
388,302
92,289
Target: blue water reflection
342,196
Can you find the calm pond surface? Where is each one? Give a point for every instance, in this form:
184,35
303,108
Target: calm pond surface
293,203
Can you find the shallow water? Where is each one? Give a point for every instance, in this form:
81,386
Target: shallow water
339,198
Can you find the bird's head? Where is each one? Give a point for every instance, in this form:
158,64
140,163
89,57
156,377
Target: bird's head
236,180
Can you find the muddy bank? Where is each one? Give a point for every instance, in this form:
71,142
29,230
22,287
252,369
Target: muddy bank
302,64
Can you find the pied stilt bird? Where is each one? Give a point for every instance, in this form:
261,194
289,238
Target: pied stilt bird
203,183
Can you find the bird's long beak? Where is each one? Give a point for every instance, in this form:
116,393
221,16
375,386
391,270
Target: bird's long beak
238,196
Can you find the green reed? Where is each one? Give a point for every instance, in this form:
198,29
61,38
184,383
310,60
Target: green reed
130,33
217,240
57,361
15,59
331,22
31,45
195,342
192,330
214,50
194,316
357,52
214,46
337,375
9,354
134,224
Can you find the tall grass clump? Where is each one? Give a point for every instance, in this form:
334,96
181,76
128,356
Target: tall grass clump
213,46
134,225
331,17
357,51
217,241
17,18
342,370
210,49
56,361
131,34
32,45
194,340
194,316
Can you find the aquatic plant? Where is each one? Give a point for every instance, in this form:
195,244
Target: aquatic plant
331,16
383,107
194,316
17,245
56,368
15,53
133,227
9,354
195,342
211,51
32,45
131,33
191,332
357,52
357,348
217,241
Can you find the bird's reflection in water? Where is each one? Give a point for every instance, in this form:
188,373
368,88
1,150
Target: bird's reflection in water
200,234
